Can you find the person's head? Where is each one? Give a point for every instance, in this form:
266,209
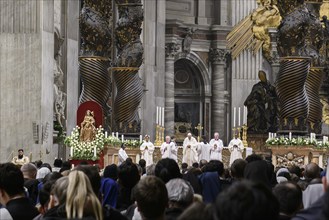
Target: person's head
29,171
44,196
167,169
197,211
42,172
123,146
150,170
257,171
189,136
93,175
289,196
202,163
184,166
180,193
58,163
52,177
312,171
204,138
147,138
195,165
46,165
20,153
38,163
11,182
168,139
142,163
248,201
214,166
128,174
75,193
173,138
283,175
294,169
151,197
262,76
253,157
237,168
216,135
111,171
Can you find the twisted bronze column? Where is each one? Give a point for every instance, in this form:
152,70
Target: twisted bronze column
292,94
313,85
96,81
129,95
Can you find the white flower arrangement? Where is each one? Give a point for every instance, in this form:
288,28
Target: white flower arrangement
85,150
297,141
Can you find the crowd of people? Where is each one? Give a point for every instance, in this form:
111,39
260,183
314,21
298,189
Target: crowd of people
250,189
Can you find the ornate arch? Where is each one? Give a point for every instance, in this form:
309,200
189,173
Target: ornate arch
195,59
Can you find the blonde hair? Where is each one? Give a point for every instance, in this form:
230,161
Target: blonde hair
80,196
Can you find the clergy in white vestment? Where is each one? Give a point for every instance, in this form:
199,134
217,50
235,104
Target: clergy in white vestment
204,150
169,149
190,148
216,147
122,155
236,148
147,149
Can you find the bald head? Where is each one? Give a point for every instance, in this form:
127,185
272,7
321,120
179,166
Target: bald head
29,171
189,135
312,171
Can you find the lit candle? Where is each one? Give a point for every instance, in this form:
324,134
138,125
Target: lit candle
95,151
162,117
105,134
234,112
112,134
290,135
71,151
269,135
245,115
122,138
140,138
239,117
117,134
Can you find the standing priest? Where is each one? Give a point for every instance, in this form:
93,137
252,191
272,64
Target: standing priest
190,150
147,149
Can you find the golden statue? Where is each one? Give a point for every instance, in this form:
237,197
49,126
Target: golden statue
325,110
252,32
88,128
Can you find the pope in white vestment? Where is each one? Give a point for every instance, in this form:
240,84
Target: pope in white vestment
190,148
147,149
236,148
216,145
169,149
122,155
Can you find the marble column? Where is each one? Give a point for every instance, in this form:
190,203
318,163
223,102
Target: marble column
218,108
171,51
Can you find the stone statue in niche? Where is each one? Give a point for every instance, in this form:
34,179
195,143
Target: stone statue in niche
187,41
88,129
262,107
59,94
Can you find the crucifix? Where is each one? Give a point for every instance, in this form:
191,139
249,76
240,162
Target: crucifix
199,128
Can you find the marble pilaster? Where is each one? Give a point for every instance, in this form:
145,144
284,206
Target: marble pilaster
219,101
171,51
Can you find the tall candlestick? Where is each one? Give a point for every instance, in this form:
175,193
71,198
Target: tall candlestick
244,115
105,134
117,134
290,136
112,134
157,115
140,138
122,138
239,117
234,112
162,117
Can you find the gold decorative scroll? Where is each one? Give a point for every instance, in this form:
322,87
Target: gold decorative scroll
252,32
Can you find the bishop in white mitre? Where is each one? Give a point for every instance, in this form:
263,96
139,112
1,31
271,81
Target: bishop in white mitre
236,148
190,150
169,149
216,147
147,149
